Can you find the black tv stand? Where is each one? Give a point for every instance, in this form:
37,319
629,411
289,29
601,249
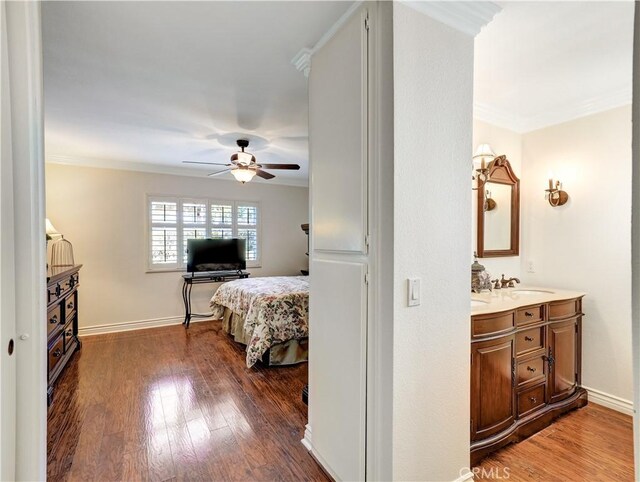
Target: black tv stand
190,279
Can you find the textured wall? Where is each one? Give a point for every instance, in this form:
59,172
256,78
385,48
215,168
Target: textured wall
433,84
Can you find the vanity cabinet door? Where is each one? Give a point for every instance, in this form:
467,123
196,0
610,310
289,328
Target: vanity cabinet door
492,386
562,357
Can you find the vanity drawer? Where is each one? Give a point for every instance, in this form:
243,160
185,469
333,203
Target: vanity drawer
531,314
529,340
54,318
563,309
494,324
55,354
531,370
530,400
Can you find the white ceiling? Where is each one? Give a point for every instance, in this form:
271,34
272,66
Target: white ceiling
540,63
145,85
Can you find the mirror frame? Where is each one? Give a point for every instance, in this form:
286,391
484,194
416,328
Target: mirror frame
500,172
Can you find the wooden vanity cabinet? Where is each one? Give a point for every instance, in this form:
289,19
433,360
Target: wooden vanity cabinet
492,380
524,377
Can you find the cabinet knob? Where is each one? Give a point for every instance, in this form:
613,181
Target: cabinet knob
70,305
528,314
57,353
528,338
533,399
68,333
531,369
53,320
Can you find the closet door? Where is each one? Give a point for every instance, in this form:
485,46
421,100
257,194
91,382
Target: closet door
338,137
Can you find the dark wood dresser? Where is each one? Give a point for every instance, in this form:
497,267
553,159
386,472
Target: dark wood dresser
62,320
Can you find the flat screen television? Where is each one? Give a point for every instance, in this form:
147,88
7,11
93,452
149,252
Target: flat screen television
216,255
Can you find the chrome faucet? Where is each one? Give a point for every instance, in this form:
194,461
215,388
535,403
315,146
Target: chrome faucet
505,283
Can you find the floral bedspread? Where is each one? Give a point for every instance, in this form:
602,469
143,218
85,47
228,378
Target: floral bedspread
275,309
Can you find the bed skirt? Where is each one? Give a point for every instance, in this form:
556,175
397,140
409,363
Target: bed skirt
289,352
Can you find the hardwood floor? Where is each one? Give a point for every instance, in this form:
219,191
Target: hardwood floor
593,443
167,403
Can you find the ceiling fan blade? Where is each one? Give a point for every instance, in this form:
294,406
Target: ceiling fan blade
264,174
281,166
213,174
207,163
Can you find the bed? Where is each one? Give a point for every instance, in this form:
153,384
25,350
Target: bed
269,315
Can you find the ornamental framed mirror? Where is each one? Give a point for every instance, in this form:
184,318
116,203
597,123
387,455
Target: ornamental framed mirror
498,211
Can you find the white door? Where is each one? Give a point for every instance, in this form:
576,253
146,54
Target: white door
7,295
339,164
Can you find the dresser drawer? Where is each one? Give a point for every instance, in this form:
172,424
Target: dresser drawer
70,304
69,339
54,320
530,340
563,309
53,292
531,370
56,352
494,324
531,399
531,314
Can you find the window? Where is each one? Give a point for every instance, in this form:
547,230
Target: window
172,221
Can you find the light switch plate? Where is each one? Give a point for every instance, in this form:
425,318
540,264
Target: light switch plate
413,291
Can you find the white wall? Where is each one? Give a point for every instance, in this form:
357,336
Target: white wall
432,136
103,213
585,244
508,143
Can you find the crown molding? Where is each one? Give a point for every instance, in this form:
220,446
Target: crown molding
569,112
160,169
497,117
302,60
564,113
467,17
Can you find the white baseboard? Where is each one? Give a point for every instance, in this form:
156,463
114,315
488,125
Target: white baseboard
610,401
134,325
308,444
306,441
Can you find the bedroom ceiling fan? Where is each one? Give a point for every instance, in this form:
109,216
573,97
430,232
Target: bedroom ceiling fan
243,165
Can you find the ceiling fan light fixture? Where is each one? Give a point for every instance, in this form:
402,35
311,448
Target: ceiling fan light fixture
243,174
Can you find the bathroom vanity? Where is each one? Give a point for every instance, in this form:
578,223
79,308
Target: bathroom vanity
525,363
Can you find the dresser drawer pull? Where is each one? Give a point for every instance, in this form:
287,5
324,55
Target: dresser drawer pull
70,305
68,333
58,289
533,399
54,320
531,369
57,353
528,314
528,338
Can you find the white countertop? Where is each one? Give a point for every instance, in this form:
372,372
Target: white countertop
511,298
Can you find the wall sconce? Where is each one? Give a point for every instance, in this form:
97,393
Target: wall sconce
482,158
489,203
554,194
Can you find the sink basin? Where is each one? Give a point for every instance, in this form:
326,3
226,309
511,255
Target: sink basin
478,303
530,292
